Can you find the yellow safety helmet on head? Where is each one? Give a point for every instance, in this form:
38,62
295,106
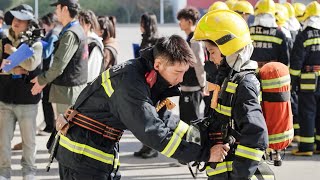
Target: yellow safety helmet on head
299,10
230,3
218,5
265,7
282,15
312,9
227,29
243,7
290,9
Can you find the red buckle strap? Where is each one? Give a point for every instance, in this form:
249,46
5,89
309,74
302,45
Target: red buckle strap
95,126
312,68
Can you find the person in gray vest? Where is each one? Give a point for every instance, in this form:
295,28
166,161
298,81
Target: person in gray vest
68,72
17,104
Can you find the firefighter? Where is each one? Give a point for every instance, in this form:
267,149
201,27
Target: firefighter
218,5
269,41
237,118
245,9
293,23
304,70
124,97
299,10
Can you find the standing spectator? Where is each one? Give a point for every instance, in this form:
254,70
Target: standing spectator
17,104
108,34
68,73
49,23
149,30
89,22
194,79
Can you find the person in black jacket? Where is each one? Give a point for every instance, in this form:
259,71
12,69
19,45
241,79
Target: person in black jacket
237,117
124,97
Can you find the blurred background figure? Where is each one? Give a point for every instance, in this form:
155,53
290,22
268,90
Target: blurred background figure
149,30
90,25
108,33
1,24
52,28
245,9
299,10
17,104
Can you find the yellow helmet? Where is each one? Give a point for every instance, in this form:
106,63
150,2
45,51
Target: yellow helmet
230,3
226,28
312,9
243,7
290,9
218,5
299,10
281,15
265,6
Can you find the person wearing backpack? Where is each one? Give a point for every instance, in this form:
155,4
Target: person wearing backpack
237,118
90,24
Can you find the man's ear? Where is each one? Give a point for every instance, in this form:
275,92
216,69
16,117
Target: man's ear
157,63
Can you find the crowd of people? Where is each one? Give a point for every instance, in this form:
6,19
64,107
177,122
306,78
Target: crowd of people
89,99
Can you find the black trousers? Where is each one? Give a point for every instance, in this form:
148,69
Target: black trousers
47,110
70,174
189,104
295,112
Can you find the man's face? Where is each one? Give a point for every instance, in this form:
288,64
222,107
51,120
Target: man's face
215,53
19,26
59,12
172,73
184,24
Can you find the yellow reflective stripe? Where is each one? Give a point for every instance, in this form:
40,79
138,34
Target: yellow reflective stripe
264,177
306,139
231,87
225,110
106,83
281,137
310,42
220,168
296,126
175,140
294,72
317,137
308,76
249,153
86,150
276,82
307,86
266,38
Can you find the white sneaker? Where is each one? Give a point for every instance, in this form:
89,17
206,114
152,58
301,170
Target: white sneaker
29,177
4,178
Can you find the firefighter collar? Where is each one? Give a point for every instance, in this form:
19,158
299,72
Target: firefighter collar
313,21
265,20
239,60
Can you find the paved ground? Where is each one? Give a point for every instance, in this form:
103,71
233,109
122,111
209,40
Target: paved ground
294,168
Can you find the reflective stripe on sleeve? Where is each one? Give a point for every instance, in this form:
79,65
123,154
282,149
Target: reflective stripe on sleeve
220,168
86,150
176,139
225,110
106,83
249,153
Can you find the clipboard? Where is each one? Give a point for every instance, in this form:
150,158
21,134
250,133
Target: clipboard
23,53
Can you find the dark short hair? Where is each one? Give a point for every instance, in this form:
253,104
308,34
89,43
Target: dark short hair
49,19
189,13
73,10
174,49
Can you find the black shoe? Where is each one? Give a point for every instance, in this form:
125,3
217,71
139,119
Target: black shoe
141,151
150,154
